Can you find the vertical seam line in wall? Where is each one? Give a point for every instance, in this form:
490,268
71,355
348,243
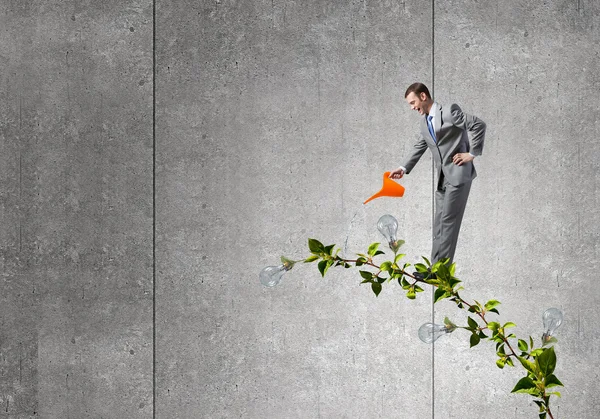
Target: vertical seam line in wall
433,207
154,209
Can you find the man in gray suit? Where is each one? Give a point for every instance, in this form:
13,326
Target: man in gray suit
454,138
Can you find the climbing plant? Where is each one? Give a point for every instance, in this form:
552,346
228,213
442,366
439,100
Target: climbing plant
538,362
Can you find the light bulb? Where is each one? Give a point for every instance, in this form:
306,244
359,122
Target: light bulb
271,275
388,226
552,318
430,332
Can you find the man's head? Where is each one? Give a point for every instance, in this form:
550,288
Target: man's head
418,97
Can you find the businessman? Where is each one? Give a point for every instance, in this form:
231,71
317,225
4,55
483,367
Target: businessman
455,139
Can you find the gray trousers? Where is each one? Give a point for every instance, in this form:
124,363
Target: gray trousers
450,204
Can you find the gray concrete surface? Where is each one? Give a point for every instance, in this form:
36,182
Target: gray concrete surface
274,121
76,209
531,233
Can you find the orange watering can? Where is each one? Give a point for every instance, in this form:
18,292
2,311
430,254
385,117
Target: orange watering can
389,188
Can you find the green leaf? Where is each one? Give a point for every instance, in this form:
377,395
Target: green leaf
421,268
493,326
547,361
411,294
453,282
329,249
474,309
287,261
426,261
501,351
500,363
440,294
525,385
405,284
509,324
398,257
360,261
453,269
442,271
324,265
311,258
554,393
315,246
528,365
373,248
475,339
397,245
536,352
550,341
509,361
379,252
472,323
496,338
522,345
376,287
386,266
491,304
552,381
542,415
418,289
366,274
364,281
493,310
531,342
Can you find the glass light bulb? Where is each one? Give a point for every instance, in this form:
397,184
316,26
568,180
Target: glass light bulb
271,275
430,332
388,226
552,318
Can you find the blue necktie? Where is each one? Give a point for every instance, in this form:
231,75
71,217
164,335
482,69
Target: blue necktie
430,126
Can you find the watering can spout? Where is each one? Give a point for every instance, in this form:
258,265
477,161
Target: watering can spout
389,188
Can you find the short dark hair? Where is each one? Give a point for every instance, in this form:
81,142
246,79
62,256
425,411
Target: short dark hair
417,88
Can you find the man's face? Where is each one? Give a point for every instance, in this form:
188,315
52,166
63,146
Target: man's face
417,103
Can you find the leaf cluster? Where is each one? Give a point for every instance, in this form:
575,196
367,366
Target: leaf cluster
539,363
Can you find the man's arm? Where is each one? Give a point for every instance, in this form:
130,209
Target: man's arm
417,151
475,130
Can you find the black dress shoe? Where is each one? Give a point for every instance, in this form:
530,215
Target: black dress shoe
422,276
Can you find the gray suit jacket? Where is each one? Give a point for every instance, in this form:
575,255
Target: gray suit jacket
456,132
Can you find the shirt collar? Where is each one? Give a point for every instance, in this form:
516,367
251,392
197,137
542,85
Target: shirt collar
433,109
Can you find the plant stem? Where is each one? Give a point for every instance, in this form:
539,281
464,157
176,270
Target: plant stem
485,321
455,294
480,311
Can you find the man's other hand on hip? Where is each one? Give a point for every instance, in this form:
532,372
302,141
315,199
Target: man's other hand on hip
462,158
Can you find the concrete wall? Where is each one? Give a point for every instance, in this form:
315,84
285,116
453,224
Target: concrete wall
274,121
76,209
